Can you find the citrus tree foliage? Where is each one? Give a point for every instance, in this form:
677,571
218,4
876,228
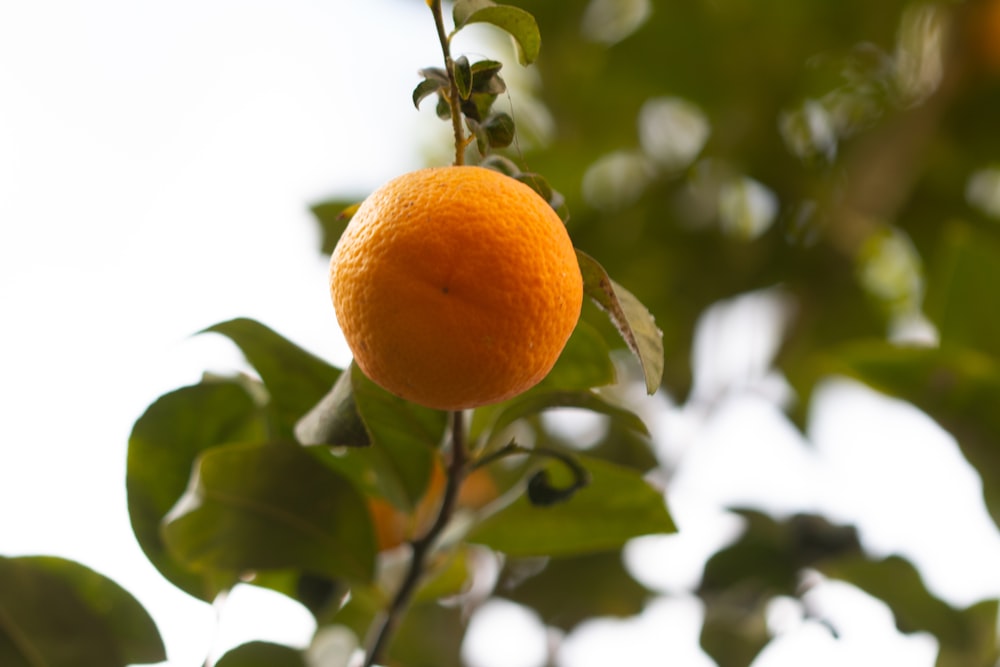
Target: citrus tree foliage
844,151
57,612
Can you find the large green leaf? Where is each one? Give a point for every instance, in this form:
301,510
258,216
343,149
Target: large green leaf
259,507
515,21
162,449
584,363
617,506
58,613
294,378
262,654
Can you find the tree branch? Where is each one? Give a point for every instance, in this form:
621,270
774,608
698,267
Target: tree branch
422,547
454,100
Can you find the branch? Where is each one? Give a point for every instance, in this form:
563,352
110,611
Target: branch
454,99
540,491
422,547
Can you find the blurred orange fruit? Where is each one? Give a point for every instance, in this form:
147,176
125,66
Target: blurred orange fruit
394,527
983,21
455,287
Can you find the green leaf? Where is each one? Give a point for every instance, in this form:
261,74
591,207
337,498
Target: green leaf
295,379
260,507
130,624
425,88
486,77
448,575
769,556
479,132
502,164
961,296
262,654
49,606
571,590
360,609
584,363
635,324
617,506
981,646
462,72
318,594
405,439
162,448
443,108
429,634
437,74
58,613
333,217
499,129
734,630
44,622
478,106
625,447
517,22
464,9
535,401
537,183
334,420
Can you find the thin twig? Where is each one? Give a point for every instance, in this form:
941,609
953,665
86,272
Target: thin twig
422,547
454,100
512,448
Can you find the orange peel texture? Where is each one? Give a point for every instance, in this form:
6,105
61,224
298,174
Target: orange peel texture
455,287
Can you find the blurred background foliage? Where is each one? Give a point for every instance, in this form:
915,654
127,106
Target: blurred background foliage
720,147
844,154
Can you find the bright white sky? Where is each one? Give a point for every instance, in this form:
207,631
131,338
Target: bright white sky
156,164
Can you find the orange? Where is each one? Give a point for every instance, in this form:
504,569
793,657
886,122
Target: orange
394,527
984,25
455,287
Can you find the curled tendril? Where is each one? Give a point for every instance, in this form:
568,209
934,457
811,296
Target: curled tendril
541,492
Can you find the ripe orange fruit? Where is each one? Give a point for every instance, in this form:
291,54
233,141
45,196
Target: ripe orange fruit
455,287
